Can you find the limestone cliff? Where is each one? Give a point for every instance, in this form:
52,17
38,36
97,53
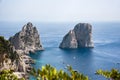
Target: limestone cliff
80,36
11,60
69,40
27,39
8,55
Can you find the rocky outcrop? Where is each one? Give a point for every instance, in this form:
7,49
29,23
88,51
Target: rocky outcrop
13,52
69,41
80,36
27,39
10,59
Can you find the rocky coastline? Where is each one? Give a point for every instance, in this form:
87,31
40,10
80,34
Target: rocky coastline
24,42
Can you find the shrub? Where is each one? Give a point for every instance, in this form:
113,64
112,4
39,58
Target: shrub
50,73
114,74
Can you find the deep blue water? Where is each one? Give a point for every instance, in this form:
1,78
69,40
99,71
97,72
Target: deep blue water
105,55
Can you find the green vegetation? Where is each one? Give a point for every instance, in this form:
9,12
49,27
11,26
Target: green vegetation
8,75
6,50
114,74
6,53
50,73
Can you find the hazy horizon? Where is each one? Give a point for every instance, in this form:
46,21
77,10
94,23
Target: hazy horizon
60,11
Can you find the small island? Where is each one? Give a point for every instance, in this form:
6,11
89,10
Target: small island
80,36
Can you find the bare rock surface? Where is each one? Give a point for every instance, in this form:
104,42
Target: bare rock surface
80,36
27,39
69,41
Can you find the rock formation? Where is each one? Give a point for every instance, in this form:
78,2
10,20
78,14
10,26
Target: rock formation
9,57
27,39
80,36
69,41
11,60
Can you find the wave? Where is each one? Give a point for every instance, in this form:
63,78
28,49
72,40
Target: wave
104,41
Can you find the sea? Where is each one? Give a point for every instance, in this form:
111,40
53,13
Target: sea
105,54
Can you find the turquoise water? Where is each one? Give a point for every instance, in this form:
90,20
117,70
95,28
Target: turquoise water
105,54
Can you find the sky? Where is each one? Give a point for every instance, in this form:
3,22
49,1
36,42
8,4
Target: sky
59,10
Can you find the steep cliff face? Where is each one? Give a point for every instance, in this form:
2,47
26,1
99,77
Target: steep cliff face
10,60
12,51
81,36
8,56
27,39
83,32
69,41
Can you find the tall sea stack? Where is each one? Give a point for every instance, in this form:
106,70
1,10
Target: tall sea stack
80,36
27,39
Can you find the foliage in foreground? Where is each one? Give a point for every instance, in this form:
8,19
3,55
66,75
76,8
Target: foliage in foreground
50,73
114,74
8,75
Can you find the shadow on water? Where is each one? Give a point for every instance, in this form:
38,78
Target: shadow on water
82,60
36,55
81,57
79,50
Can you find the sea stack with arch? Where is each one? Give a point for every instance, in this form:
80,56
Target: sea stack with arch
80,36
